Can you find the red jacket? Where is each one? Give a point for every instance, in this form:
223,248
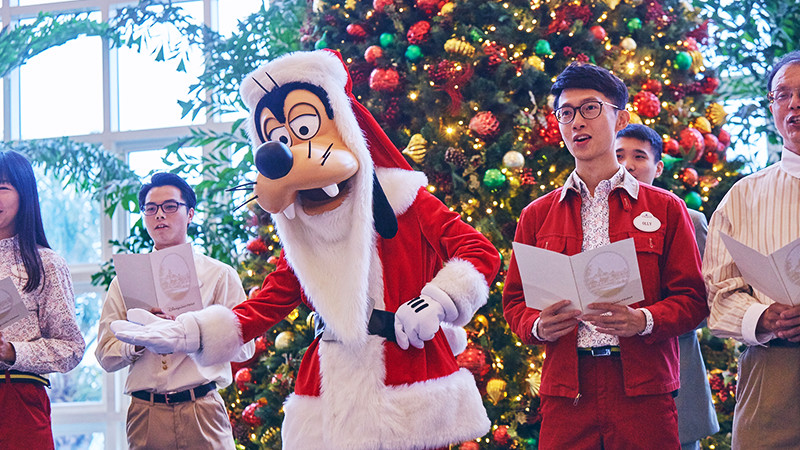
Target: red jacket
669,263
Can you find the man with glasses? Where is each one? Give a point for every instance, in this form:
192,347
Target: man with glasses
762,211
174,402
610,375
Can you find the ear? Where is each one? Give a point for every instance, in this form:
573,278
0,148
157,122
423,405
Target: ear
382,212
659,168
623,118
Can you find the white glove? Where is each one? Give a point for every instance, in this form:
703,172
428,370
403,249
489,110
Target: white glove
417,320
161,336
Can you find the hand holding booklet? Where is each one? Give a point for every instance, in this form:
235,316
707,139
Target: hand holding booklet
776,275
165,279
12,307
608,274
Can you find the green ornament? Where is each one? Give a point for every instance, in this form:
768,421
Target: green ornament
669,161
543,48
693,200
683,61
634,24
475,35
493,178
322,42
413,53
386,39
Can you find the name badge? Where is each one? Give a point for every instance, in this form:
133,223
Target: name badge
647,222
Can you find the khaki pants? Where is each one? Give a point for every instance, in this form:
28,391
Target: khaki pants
767,399
199,424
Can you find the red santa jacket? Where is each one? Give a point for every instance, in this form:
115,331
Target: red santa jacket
669,264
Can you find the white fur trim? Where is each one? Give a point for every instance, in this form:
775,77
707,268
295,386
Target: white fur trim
466,287
220,334
424,415
400,186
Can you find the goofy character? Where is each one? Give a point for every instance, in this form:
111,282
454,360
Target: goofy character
382,262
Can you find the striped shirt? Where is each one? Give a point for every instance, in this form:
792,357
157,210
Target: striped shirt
762,211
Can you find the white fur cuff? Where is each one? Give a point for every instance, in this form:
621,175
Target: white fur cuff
220,335
466,287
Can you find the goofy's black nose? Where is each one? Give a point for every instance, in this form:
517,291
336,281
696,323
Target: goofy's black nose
274,159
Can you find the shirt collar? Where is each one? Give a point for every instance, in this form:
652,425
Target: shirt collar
621,178
790,162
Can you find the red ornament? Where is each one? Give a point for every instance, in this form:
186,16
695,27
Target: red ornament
469,445
356,31
373,53
672,147
254,291
500,436
419,32
249,414
272,260
550,133
429,7
380,5
484,124
711,142
653,86
689,177
692,144
711,157
244,375
384,80
496,53
724,138
257,246
646,103
474,360
709,85
598,32
261,344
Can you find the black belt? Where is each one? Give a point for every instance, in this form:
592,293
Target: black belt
15,376
381,323
606,350
783,343
176,397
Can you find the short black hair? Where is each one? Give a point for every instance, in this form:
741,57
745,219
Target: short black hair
645,134
588,76
169,179
789,58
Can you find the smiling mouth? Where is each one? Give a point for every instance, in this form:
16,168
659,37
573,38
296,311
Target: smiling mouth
794,119
321,196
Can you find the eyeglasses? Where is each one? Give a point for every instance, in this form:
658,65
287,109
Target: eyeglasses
589,110
782,96
169,207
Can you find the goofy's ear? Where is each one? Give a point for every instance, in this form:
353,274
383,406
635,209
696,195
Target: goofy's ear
382,212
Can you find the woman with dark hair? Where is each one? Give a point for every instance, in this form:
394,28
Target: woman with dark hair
47,339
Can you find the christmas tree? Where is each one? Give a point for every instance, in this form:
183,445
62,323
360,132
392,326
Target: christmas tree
463,88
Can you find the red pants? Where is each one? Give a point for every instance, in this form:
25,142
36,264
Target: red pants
604,417
24,416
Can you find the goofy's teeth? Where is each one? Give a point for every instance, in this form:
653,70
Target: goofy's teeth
332,190
289,212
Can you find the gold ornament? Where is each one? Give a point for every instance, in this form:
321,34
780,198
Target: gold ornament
536,63
628,44
447,9
702,125
697,61
459,47
293,315
417,148
716,114
350,5
311,319
496,390
534,383
635,118
284,340
612,4
481,324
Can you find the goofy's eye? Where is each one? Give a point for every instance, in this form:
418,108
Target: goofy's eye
280,134
305,126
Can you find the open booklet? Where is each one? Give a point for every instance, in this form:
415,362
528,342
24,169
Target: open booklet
12,307
608,274
165,279
776,275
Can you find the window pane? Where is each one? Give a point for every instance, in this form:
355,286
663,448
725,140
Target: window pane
80,441
230,12
83,383
149,90
61,91
71,220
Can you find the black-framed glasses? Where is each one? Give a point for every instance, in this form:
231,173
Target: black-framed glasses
782,96
589,110
169,207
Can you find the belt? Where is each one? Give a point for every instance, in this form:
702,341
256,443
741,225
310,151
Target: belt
15,376
783,343
606,350
381,323
176,397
